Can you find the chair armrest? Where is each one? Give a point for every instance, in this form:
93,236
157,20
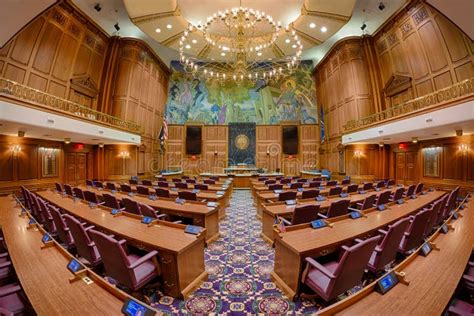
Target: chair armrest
358,240
320,267
7,290
4,255
468,278
204,200
5,264
322,216
285,221
143,259
359,204
101,203
471,263
178,222
353,209
5,312
89,228
382,231
452,310
160,216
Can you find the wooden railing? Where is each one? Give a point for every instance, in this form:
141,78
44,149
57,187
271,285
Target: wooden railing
44,101
456,92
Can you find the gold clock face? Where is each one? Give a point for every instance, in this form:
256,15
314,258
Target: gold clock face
242,142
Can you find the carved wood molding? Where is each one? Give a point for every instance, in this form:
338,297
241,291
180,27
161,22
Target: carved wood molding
85,85
396,84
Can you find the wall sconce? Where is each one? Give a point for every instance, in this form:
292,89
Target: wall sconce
193,157
414,140
463,148
16,149
358,153
268,152
124,154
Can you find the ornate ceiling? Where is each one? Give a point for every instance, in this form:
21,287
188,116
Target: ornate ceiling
314,21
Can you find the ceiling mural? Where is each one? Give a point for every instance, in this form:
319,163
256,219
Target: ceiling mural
290,98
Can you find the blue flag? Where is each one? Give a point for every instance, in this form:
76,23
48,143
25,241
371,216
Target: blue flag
322,127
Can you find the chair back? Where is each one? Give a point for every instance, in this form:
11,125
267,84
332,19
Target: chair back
368,186
346,181
411,190
338,208
58,186
26,197
315,184
369,202
98,184
181,185
335,191
305,214
62,229
48,219
380,184
143,190
133,181
147,210
186,195
209,181
125,188
302,180
131,206
201,186
350,268
84,245
161,179
391,182
78,193
383,198
285,196
296,185
262,179
110,201
163,184
176,180
89,183
331,183
284,181
111,186
419,188
215,178
90,197
434,212
413,236
147,183
114,257
398,194
386,250
352,188
268,182
308,194
160,192
68,190
318,179
275,187
451,203
190,181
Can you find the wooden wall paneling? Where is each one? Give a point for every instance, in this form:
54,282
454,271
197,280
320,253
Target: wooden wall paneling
269,140
6,162
215,151
452,162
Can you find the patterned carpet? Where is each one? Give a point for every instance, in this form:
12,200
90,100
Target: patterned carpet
239,266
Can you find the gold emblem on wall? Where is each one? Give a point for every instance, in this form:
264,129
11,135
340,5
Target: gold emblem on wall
242,142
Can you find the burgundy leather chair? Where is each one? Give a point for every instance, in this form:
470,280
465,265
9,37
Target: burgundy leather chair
284,181
285,196
111,186
131,206
78,193
181,185
215,178
149,211
98,184
380,184
209,181
176,180
192,181
331,183
201,186
302,180
85,247
143,190
26,197
419,188
334,278
130,270
346,181
335,191
308,194
296,185
186,195
184,177
295,177
279,178
268,182
58,186
48,219
273,187
35,207
391,182
303,214
317,179
161,179
262,179
147,183
397,195
112,202
383,198
40,210
125,188
461,308
315,184
352,188
337,208
91,197
160,192
368,186
451,203
63,230
89,183
163,184
367,203
413,236
133,181
12,300
68,190
434,210
411,190
386,250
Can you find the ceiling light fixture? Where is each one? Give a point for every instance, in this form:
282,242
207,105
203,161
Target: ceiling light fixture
158,30
324,29
414,140
194,41
67,140
364,26
169,26
312,25
188,46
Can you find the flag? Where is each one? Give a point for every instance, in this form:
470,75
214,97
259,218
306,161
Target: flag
164,131
322,127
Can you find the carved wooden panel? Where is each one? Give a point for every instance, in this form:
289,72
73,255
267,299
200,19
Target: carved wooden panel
27,162
452,162
6,162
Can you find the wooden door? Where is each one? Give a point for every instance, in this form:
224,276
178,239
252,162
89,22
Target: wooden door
70,167
76,167
81,167
405,168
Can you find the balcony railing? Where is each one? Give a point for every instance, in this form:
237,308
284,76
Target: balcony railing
39,99
456,92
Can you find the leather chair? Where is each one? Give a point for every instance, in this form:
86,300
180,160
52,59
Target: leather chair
317,179
161,179
186,195
215,178
143,190
130,270
261,179
285,181
91,197
434,210
63,230
285,196
352,188
308,194
176,180
461,308
380,184
192,181
383,198
13,300
209,181
181,185
397,195
337,208
273,187
386,251
391,182
98,184
48,219
111,186
112,202
368,186
85,247
331,183
419,188
160,192
345,181
78,193
413,236
296,185
366,204
410,191
125,188
68,190
163,184
335,191
444,211
315,184
147,183
201,187
302,180
149,211
133,181
131,206
89,183
26,197
303,214
268,182
331,279
41,214
58,186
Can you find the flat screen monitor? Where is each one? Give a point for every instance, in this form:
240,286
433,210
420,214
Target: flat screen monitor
193,140
290,140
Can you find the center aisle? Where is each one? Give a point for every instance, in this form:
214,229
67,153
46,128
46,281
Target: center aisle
239,265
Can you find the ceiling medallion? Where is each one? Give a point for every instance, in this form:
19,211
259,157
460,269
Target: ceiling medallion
242,36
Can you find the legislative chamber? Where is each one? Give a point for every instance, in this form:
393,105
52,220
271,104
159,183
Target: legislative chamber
236,157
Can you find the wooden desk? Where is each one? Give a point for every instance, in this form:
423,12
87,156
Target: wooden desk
433,279
292,247
201,215
43,274
181,255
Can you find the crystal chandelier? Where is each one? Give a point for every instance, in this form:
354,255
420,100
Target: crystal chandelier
242,37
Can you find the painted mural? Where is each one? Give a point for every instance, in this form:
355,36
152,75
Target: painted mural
292,98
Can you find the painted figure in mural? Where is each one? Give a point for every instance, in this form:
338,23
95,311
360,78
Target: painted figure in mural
287,104
222,114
